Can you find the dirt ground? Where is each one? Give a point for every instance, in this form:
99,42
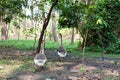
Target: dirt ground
71,68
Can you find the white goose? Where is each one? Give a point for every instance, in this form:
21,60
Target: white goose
61,51
40,58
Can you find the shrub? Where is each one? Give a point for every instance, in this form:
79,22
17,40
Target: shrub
113,48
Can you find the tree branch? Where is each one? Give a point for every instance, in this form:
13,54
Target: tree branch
45,26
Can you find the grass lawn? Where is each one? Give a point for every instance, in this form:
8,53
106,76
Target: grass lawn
28,45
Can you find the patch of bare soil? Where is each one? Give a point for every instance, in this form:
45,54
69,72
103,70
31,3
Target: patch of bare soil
70,68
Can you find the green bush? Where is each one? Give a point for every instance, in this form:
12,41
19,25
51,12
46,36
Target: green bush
114,48
93,48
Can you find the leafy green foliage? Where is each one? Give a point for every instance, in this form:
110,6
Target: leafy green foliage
100,17
103,22
9,8
70,13
113,48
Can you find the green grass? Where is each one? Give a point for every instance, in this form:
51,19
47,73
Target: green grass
67,45
13,66
3,61
19,44
28,45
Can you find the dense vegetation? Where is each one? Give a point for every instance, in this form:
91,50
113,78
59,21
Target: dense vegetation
98,19
105,24
101,19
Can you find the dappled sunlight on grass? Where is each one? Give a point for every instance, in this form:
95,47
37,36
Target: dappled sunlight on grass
22,67
9,68
16,61
15,67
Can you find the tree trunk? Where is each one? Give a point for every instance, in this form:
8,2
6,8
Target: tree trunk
24,21
118,33
8,27
72,36
81,34
45,26
77,30
32,19
18,32
87,2
84,45
54,34
4,32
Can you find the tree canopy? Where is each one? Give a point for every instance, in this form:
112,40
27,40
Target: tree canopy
100,17
9,8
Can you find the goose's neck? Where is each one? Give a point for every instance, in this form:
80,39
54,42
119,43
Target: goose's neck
42,48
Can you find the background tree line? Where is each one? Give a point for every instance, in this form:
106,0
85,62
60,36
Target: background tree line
97,21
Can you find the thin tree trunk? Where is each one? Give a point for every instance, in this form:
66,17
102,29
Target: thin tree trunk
35,37
4,32
18,32
24,23
102,45
32,20
81,33
87,2
84,46
77,30
72,36
54,34
8,30
45,26
103,52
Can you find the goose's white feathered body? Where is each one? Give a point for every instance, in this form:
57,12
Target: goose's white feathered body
62,54
40,59
61,51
